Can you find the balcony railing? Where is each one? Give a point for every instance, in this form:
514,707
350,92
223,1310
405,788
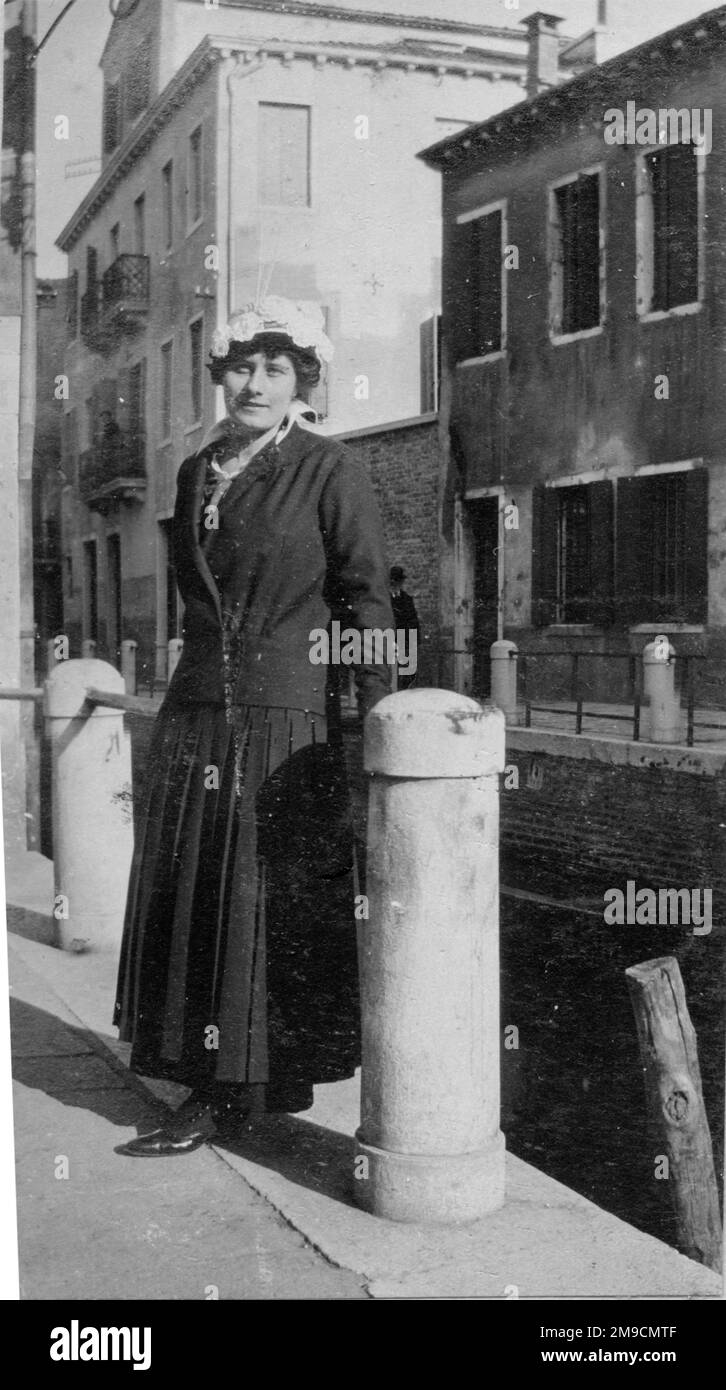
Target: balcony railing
117,303
126,284
113,471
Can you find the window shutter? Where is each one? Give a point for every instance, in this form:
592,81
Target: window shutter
428,364
682,191
633,602
488,263
586,290
544,555
601,553
72,303
696,545
460,305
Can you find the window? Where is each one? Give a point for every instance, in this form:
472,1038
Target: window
140,225
194,177
137,83
111,116
114,239
136,415
165,390
668,229
167,204
662,547
477,319
196,367
69,445
114,620
169,580
572,562
90,591
430,360
575,255
630,552
283,157
72,304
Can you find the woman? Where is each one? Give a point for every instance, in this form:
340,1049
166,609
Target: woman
238,962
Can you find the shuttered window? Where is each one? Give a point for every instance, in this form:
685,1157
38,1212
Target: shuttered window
476,319
575,255
284,155
196,368
662,548
72,304
673,175
572,554
194,178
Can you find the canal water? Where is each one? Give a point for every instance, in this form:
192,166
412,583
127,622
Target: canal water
573,1094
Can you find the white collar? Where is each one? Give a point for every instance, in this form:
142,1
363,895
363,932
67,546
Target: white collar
298,412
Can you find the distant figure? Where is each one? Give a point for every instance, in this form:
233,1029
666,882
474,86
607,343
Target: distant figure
404,615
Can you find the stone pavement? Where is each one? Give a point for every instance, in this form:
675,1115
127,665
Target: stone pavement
120,1227
97,1225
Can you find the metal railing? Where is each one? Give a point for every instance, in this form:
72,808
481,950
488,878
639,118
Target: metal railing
127,278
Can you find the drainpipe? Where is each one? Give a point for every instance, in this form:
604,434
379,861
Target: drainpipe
27,393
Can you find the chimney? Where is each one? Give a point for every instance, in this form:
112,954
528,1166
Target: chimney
544,49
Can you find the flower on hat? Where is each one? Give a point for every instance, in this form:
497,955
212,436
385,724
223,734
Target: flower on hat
301,320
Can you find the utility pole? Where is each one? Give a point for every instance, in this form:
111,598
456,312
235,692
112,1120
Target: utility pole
27,400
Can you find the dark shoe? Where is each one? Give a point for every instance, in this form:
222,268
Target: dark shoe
193,1125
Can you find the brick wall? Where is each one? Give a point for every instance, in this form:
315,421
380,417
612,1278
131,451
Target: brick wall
584,826
402,461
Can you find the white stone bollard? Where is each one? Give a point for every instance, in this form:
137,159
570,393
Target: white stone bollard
88,649
663,717
128,665
92,810
174,653
429,1147
503,656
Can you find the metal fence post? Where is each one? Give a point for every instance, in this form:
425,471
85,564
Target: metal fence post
503,657
128,665
429,1143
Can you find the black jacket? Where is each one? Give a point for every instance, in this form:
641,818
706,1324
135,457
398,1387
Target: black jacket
299,542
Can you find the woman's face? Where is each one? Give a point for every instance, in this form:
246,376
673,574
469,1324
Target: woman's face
259,390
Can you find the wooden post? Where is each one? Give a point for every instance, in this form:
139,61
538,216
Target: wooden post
675,1101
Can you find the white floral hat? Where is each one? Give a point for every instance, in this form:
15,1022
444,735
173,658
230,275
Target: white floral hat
300,320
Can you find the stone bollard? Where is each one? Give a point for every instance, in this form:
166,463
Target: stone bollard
92,809
663,717
429,1147
128,665
88,649
174,652
503,657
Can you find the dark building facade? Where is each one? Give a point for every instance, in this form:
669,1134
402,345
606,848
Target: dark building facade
583,411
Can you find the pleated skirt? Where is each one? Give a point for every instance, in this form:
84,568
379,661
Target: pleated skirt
238,960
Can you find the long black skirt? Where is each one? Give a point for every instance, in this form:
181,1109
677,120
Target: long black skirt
238,959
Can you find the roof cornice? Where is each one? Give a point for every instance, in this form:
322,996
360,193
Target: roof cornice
603,81
211,50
